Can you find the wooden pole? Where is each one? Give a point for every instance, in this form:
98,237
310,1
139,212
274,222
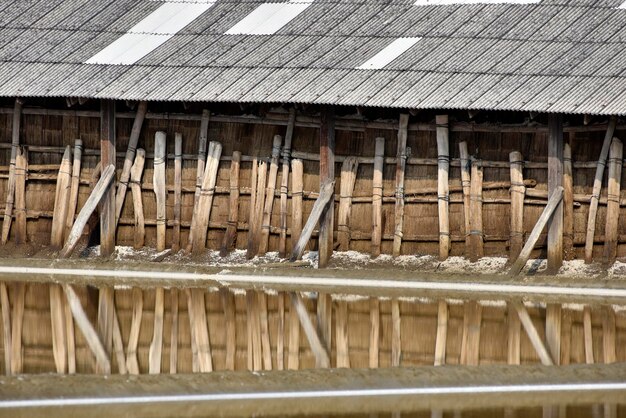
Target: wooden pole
61,200
608,345
476,211
293,359
122,185
296,200
341,329
269,196
466,185
284,183
195,361
178,188
401,157
107,157
201,330
254,174
553,331
280,333
518,191
75,185
202,142
568,204
257,212
327,176
154,355
21,164
202,211
230,235
348,178
470,343
377,196
265,334
6,327
255,349
118,345
325,319
553,202
597,186
106,306
135,326
555,179
15,142
158,179
613,197
442,333
136,172
443,158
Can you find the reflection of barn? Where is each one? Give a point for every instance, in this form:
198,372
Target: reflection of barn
448,130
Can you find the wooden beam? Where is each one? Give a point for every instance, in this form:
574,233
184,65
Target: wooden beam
401,156
265,332
518,191
107,158
280,333
202,154
74,186
466,185
327,176
297,170
118,345
158,179
555,180
324,309
476,211
513,354
377,196
61,200
613,197
568,203
442,333
532,333
21,168
266,219
348,178
15,142
284,183
202,211
319,351
136,172
201,330
178,189
553,331
443,195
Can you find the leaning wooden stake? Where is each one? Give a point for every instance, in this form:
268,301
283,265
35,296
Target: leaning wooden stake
75,185
377,196
296,200
20,196
158,179
154,356
321,355
597,186
90,205
466,184
568,204
443,195
613,198
61,200
129,158
269,196
202,142
553,202
230,235
518,191
135,186
15,142
348,178
202,211
284,183
476,211
326,193
401,156
178,189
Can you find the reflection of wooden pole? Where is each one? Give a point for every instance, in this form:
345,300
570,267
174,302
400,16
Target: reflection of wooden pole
374,332
15,141
443,158
396,342
57,319
377,196
442,333
135,326
400,169
154,355
612,209
321,355
6,327
21,164
518,190
532,333
174,331
555,179
327,176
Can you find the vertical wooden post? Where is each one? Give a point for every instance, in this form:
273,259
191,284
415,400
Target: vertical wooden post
202,211
555,180
348,177
107,157
20,196
202,141
297,169
613,204
374,332
443,196
400,169
466,184
15,142
327,175
135,186
568,203
158,179
75,185
61,200
377,196
518,190
266,218
256,214
254,173
284,183
178,188
476,211
230,235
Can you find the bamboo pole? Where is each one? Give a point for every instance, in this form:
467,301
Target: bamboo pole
518,191
470,344
202,155
132,363
442,333
612,210
135,132
136,172
326,175
21,165
75,185
568,204
296,200
61,200
15,142
597,186
321,355
284,183
555,179
257,213
401,157
6,327
476,212
348,178
233,214
202,211
57,319
466,186
154,355
374,351
443,195
228,305
178,189
377,195
269,196
341,329
158,180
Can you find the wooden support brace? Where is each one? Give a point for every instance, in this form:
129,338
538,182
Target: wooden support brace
265,333
158,179
555,180
476,237
74,186
15,142
553,331
322,359
325,319
106,307
296,201
293,359
61,200
470,344
256,211
202,155
136,172
201,330
71,340
255,349
280,333
107,157
118,345
57,318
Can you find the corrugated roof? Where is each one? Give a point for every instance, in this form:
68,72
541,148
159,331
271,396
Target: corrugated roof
555,55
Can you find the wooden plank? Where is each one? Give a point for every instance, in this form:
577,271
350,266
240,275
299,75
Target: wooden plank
327,175
269,196
396,342
6,327
613,201
374,350
254,174
61,200
178,189
555,180
377,196
532,333
326,193
87,329
470,344
284,183
21,165
106,306
322,359
293,359
280,333
230,236
135,326
156,346
15,142
202,211
256,214
17,323
136,172
518,191
71,340
158,179
74,186
341,329
129,158
442,333
401,157
228,305
265,333
476,211
57,319
296,201
466,185
118,345
553,331
255,349
553,202
201,331
107,157
568,204
174,331
348,178
597,186
443,195
202,155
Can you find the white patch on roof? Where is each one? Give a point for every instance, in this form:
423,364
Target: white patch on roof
150,33
269,18
389,53
449,2
623,6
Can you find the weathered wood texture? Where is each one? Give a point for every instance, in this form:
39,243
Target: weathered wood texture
326,176
555,180
107,157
